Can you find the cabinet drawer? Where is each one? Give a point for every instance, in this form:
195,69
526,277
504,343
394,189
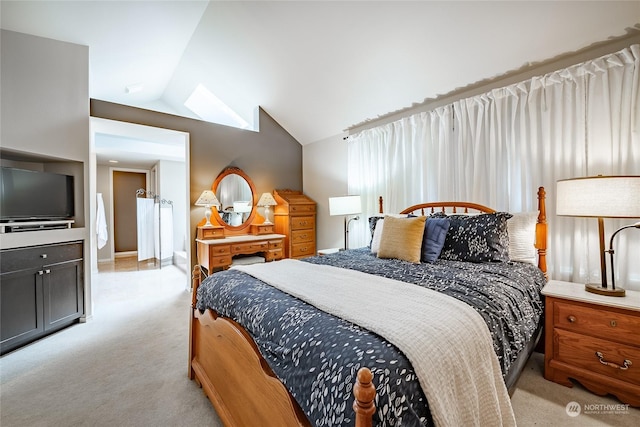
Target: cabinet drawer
303,249
33,257
249,248
581,351
217,250
275,244
302,208
598,322
274,254
302,222
301,236
220,261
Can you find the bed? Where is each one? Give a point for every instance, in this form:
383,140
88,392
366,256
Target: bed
266,357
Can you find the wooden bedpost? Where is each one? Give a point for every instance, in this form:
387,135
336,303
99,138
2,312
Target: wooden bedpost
380,208
364,393
195,282
541,232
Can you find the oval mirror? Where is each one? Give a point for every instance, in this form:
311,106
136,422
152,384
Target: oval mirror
235,192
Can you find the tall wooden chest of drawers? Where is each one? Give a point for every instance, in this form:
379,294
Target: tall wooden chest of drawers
295,217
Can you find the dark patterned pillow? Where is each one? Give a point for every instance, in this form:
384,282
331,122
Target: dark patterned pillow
477,238
435,233
373,220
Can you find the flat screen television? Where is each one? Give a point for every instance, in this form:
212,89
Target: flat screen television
34,195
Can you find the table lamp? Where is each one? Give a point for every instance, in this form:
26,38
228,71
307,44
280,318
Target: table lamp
266,201
207,199
345,205
600,197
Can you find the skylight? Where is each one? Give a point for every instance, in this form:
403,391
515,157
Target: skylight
209,107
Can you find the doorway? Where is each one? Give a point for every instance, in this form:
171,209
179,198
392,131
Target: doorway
125,233
129,147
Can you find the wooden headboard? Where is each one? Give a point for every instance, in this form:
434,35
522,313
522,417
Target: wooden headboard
470,208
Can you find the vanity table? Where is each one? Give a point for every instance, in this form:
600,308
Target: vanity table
240,234
219,253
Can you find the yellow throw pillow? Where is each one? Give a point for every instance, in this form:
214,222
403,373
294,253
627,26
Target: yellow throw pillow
402,238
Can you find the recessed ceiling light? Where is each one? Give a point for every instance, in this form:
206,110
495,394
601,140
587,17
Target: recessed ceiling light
138,87
113,161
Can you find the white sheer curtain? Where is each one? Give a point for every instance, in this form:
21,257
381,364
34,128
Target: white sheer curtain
499,147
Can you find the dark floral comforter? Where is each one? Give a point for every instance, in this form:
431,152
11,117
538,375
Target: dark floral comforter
317,355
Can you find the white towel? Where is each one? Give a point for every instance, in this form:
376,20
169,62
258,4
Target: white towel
101,222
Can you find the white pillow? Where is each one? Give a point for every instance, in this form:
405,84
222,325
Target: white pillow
522,237
377,235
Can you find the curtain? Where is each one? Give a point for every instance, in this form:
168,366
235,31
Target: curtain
145,229
499,147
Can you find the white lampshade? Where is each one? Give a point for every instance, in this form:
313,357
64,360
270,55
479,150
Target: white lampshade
345,205
599,197
242,207
207,198
267,200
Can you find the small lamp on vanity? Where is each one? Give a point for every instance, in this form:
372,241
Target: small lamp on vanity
266,201
207,199
601,197
345,205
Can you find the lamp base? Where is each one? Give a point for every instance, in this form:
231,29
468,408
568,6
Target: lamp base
598,289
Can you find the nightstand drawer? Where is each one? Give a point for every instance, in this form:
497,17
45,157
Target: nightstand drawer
596,355
601,323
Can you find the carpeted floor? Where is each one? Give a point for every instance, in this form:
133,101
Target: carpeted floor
128,367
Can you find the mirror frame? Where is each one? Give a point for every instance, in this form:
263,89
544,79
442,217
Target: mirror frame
232,170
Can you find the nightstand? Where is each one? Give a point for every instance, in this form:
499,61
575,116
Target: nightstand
593,339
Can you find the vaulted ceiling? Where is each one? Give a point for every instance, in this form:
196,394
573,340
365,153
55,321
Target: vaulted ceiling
316,67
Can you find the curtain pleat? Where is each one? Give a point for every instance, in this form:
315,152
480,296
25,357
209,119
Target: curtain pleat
499,147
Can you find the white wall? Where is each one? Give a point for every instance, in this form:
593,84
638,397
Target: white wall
324,167
44,113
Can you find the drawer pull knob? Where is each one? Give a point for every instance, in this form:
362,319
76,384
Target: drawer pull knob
43,256
571,319
613,323
624,367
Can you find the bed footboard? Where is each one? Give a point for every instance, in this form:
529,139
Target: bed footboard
225,362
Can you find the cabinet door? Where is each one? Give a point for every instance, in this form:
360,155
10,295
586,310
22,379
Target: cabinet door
63,294
21,317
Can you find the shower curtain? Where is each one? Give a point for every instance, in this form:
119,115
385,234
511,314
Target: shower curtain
155,229
145,221
163,232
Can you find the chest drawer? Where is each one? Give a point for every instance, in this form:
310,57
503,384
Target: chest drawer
302,222
301,236
598,355
308,208
597,322
241,248
303,249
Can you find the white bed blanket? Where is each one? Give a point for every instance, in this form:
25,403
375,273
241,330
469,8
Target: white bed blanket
446,341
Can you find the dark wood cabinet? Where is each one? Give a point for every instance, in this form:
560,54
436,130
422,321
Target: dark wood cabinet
41,291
